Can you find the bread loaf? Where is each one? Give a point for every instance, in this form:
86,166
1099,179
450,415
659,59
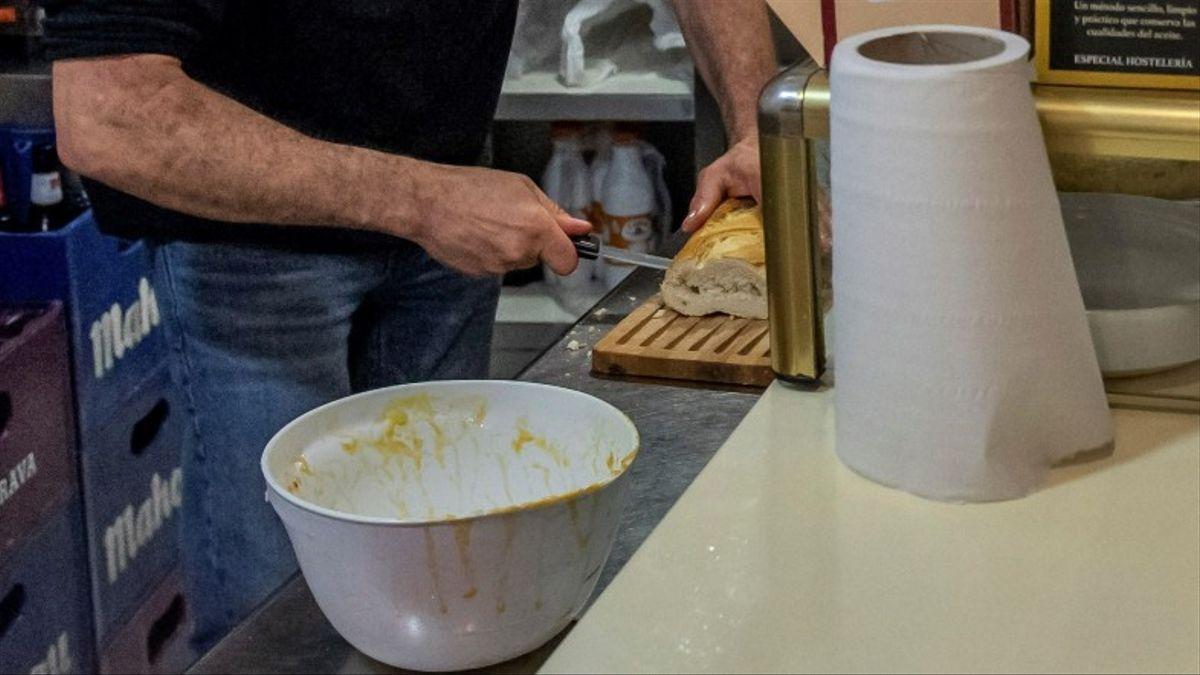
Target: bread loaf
723,266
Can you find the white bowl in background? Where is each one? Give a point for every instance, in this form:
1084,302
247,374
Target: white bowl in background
452,525
1138,262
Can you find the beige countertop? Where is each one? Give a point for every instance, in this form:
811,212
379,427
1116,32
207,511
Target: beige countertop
777,558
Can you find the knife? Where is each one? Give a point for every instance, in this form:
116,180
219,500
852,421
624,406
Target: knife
590,248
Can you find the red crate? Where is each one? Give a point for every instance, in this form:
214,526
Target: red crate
37,428
157,639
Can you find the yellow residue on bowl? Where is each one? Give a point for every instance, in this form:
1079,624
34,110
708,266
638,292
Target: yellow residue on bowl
404,420
545,471
431,563
397,438
303,467
526,437
627,461
398,445
462,540
505,480
582,535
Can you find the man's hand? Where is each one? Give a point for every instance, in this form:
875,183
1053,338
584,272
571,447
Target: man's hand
735,174
484,222
730,42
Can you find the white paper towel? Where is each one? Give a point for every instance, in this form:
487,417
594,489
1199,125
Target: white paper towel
965,368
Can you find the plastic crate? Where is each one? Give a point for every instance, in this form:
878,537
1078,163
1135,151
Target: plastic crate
106,285
37,428
45,609
157,639
132,493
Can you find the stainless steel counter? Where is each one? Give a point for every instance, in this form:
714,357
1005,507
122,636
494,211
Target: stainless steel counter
682,426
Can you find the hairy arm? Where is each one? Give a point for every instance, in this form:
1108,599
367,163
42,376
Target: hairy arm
139,124
730,42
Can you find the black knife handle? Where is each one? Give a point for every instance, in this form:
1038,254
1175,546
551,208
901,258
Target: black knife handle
587,246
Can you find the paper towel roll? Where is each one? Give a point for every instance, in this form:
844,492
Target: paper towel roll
965,368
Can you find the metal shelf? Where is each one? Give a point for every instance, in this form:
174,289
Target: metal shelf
25,96
632,96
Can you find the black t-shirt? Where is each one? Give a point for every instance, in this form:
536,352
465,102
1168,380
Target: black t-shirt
413,77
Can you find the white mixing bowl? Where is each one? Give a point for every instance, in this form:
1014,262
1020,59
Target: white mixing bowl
452,525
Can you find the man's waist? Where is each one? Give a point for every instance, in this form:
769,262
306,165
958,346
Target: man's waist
121,215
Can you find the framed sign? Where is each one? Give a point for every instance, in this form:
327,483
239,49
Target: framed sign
1119,43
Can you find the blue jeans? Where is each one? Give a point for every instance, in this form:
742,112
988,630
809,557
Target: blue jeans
260,335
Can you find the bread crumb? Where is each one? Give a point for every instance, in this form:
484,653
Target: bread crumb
632,298
599,314
574,345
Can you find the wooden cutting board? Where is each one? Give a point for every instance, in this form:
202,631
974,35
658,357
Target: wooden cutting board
655,341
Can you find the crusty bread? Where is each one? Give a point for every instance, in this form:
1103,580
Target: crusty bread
723,266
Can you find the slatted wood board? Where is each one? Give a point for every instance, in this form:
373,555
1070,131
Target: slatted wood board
655,341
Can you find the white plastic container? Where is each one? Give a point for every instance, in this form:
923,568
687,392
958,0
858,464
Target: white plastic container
567,181
452,525
597,171
602,141
627,197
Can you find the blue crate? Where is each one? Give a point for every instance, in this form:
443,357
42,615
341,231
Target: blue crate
132,493
16,148
45,609
107,286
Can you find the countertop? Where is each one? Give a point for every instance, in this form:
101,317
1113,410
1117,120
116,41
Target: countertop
777,558
681,427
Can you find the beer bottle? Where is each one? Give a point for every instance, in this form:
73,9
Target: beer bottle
7,223
46,207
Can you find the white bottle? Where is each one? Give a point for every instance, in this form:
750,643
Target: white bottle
566,180
627,197
599,169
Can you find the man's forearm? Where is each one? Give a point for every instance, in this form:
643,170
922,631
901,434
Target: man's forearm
140,125
730,42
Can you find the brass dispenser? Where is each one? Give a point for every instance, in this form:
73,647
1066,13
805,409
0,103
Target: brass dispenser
793,111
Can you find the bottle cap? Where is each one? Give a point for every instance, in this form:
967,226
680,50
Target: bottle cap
559,130
625,133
